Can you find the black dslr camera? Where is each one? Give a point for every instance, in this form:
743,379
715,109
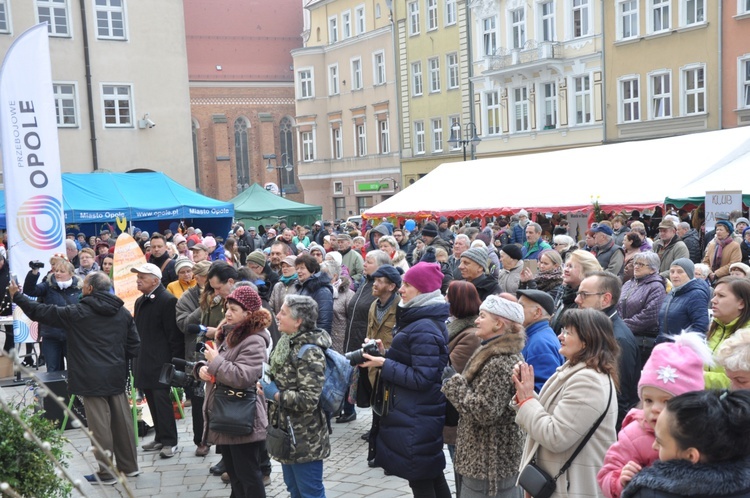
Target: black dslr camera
36,265
355,357
170,376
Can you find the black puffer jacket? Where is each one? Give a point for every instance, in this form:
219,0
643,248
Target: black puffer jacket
101,338
49,292
693,242
358,313
318,286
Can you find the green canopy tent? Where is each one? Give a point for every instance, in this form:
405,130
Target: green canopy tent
258,206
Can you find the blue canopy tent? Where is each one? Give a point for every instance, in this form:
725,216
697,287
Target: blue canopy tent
152,199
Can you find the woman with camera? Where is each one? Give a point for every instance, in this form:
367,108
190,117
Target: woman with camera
236,364
410,441
489,443
295,389
579,397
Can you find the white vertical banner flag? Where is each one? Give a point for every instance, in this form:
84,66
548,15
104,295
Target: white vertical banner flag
31,159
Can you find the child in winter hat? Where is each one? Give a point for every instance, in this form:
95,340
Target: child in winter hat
672,369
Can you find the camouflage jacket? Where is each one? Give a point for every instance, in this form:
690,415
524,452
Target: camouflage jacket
300,382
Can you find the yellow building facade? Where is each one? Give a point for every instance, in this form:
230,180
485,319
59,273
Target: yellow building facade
346,107
662,67
537,74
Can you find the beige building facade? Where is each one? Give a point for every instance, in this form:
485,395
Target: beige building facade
139,117
537,74
346,119
735,63
662,67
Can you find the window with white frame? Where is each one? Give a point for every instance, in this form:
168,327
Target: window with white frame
118,106
359,17
378,66
416,78
549,94
361,132
55,13
743,7
434,67
437,135
518,27
743,71
661,95
580,16
419,138
521,108
305,79
630,100
4,21
377,11
492,106
489,35
242,151
333,29
694,11
660,15
110,19
338,188
337,142
455,129
339,203
450,12
627,19
694,90
452,70
414,18
547,16
582,92
65,104
308,146
346,25
357,81
384,137
432,15
333,79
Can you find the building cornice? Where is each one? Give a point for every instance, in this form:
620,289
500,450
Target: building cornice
241,84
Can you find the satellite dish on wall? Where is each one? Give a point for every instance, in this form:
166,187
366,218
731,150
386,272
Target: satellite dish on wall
272,187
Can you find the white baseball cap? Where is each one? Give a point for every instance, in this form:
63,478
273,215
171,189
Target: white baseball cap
148,268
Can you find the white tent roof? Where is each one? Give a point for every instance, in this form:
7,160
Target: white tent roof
731,174
624,176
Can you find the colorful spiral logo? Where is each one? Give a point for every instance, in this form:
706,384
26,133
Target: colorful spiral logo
39,222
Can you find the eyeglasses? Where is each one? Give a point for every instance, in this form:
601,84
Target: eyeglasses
585,295
640,265
558,244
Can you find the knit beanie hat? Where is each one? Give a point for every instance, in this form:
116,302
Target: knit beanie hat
503,308
336,256
430,229
677,367
727,224
429,255
425,277
209,241
181,263
686,265
513,251
477,255
740,266
246,297
257,257
289,260
315,247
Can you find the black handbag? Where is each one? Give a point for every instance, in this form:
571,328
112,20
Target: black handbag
537,482
279,443
233,411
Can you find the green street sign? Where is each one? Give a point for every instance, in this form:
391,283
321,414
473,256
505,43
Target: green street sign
371,187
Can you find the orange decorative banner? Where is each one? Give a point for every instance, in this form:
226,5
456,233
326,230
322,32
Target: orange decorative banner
127,255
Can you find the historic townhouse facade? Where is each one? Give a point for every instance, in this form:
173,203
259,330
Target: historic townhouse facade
735,63
662,67
346,107
129,108
537,74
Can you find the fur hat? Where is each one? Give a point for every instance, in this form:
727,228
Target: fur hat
503,308
425,277
477,255
257,257
677,367
430,229
686,265
513,251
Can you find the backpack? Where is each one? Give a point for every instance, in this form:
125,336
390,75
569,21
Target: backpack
338,377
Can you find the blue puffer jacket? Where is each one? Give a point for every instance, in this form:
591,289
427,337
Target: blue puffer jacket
318,287
410,442
685,308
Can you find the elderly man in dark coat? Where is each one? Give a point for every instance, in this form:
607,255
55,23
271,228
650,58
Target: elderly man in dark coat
101,339
162,341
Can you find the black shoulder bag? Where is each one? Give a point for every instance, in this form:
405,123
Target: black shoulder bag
233,411
537,482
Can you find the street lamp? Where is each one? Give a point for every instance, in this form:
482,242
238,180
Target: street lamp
470,130
285,164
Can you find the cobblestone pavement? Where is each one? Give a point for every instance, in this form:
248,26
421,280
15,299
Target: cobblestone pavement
345,472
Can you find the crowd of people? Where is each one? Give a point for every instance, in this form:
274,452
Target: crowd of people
616,365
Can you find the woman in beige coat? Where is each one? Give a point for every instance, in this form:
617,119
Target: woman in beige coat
570,402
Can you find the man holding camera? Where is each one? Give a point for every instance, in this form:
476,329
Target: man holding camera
101,339
162,341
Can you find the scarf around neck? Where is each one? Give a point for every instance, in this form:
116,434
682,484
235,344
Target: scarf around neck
720,245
